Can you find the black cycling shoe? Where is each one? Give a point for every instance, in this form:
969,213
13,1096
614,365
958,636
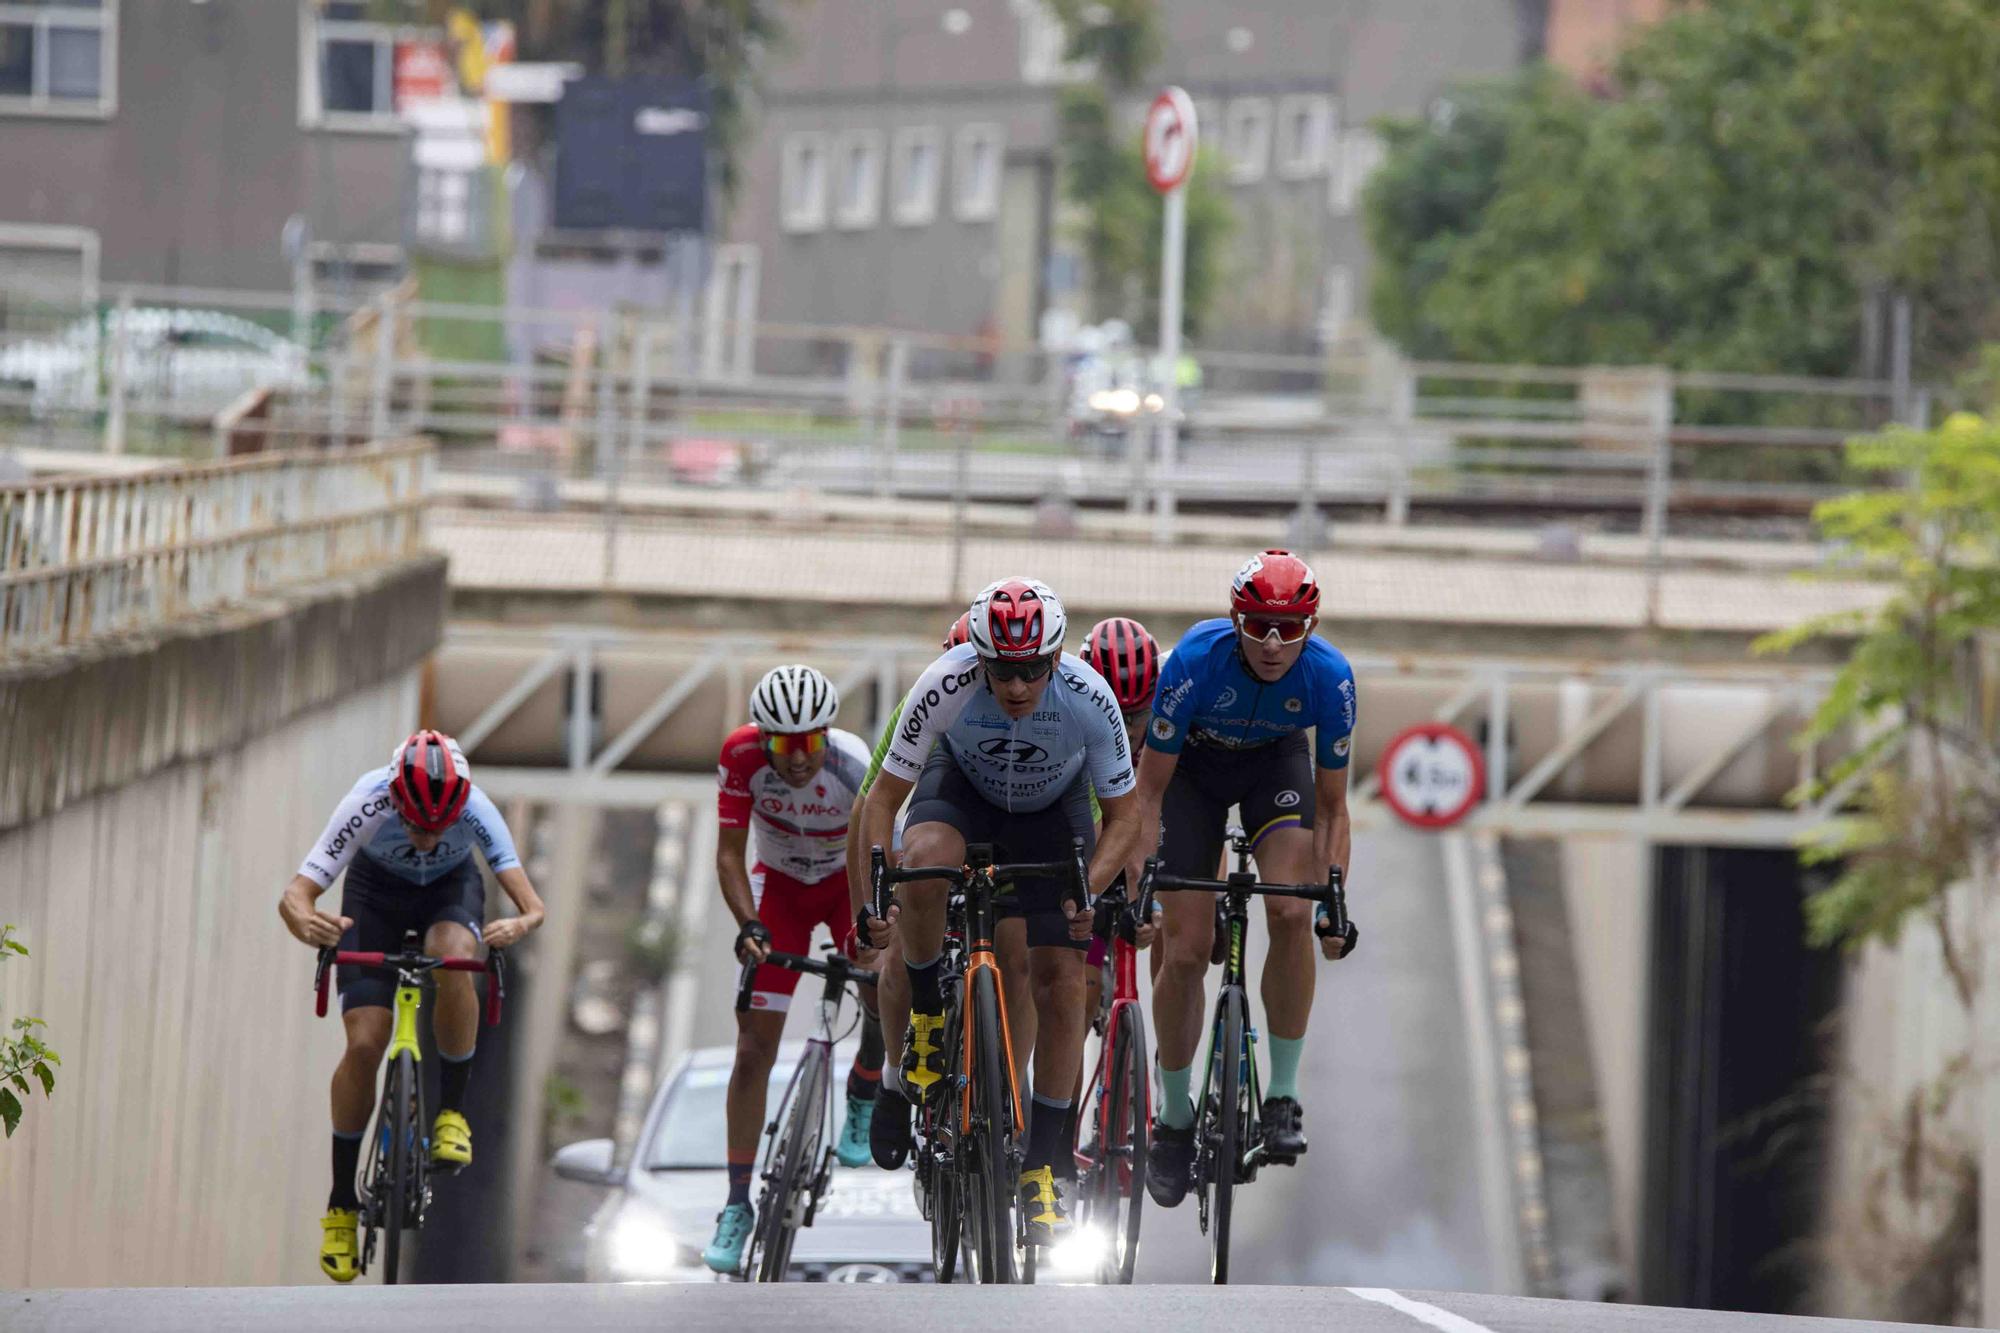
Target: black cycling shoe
1170,1164
889,1129
1284,1128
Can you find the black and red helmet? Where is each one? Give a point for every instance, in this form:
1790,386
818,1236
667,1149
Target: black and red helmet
1275,583
429,781
1121,651
960,631
1017,620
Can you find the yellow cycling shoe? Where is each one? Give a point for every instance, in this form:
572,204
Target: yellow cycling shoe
451,1140
923,1053
1042,1202
339,1245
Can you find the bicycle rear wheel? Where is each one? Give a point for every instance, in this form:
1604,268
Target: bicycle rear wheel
990,1198
1228,1128
396,1101
793,1161
1120,1170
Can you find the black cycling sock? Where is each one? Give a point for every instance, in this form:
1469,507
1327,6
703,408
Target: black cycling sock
1047,1123
452,1078
867,1060
1065,1162
863,1084
925,993
739,1178
346,1157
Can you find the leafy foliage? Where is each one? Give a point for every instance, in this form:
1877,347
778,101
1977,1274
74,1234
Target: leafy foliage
1756,170
22,1055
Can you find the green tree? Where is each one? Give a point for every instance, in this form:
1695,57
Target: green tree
1756,171
22,1054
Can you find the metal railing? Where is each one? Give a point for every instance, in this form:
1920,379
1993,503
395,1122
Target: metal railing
85,558
634,394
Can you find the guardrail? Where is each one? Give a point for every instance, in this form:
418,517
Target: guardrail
85,558
885,412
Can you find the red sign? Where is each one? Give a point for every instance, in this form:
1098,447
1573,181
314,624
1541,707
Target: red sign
1170,140
1432,775
423,72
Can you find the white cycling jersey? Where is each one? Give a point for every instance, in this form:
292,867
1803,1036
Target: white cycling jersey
1017,765
366,822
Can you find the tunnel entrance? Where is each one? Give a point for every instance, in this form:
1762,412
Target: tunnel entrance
1736,1115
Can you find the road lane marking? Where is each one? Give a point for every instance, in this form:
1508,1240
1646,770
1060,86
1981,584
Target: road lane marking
1442,1320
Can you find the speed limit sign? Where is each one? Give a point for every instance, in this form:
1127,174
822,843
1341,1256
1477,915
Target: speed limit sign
1170,139
1432,775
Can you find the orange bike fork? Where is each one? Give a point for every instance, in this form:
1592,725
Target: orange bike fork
978,959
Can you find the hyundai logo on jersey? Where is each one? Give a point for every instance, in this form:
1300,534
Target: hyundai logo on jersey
1021,752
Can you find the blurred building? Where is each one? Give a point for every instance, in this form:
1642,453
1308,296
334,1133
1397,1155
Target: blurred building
170,142
1584,35
904,169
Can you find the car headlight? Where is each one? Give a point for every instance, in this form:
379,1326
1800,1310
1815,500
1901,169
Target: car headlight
640,1247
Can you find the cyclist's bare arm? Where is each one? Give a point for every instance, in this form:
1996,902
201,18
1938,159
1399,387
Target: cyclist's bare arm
1333,831
877,823
732,872
527,907
1118,840
1156,770
309,925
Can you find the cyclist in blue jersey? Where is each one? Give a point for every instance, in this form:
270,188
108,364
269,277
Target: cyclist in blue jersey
1002,741
1235,700
405,835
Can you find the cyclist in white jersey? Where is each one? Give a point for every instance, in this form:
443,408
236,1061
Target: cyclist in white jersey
1001,742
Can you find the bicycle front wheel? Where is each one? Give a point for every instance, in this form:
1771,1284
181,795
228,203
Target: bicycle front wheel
789,1174
396,1100
1121,1153
990,1200
1230,1115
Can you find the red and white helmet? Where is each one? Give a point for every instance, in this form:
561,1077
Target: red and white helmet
960,631
1017,620
429,781
1275,583
1121,651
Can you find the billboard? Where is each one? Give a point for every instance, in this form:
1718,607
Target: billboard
632,155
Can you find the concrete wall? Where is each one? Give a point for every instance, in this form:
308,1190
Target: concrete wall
1609,887
186,1141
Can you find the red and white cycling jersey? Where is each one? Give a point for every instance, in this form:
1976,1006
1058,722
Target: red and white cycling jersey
800,831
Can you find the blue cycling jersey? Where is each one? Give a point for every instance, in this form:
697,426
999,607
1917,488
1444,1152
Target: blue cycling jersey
1207,694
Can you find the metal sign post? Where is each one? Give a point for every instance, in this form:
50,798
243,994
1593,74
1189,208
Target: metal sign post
1170,144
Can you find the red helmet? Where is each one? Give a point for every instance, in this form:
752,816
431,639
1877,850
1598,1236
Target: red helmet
1123,653
960,631
1275,583
1017,620
429,781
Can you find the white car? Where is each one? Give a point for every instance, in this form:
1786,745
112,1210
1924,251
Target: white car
662,1206
198,360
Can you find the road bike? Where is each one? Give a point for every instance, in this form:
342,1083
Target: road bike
396,1180
1229,1132
969,1128
798,1161
1111,1162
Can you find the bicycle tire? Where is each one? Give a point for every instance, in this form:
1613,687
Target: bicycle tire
402,1077
993,1119
777,1224
1228,1131
946,1193
1122,1147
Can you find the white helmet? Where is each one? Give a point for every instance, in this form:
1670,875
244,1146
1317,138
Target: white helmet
1017,620
793,698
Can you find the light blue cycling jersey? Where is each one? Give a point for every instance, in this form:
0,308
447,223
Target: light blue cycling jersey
1207,694
366,821
1020,765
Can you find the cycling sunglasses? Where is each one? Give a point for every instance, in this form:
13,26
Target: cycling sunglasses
1032,669
1289,629
779,743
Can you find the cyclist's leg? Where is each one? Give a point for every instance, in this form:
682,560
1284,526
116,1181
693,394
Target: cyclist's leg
1279,810
1194,821
365,997
946,812
1010,949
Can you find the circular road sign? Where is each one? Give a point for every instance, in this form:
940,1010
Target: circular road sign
1170,140
1432,775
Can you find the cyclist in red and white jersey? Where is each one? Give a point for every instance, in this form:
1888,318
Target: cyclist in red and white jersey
792,777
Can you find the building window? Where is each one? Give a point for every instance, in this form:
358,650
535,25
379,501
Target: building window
857,197
47,265
1360,152
976,162
1305,132
1043,42
347,66
802,181
1246,139
918,170
444,205
59,57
